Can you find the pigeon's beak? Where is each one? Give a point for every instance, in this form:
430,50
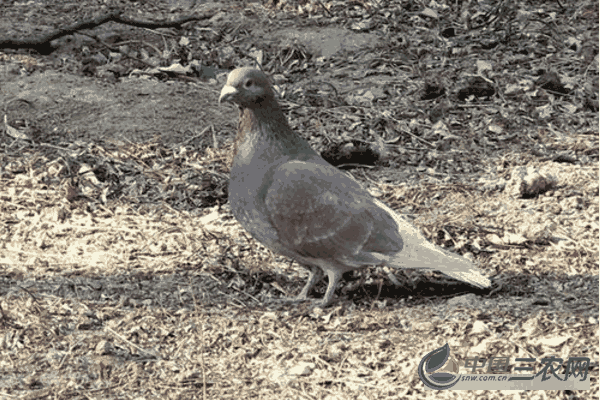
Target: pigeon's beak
227,94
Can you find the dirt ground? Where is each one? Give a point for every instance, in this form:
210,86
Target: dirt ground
124,275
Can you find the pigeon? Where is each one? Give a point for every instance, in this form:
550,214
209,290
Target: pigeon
297,204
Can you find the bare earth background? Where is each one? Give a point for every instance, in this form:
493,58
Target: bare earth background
123,275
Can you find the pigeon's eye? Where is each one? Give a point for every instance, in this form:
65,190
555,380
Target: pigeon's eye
248,83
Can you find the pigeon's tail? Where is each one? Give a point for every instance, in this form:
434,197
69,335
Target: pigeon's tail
418,253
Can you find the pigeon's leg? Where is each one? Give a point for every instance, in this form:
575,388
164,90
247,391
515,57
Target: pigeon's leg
334,275
314,276
393,279
408,281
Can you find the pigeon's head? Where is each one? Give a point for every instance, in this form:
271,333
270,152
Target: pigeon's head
247,87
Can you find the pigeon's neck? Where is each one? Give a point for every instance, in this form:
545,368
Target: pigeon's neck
266,127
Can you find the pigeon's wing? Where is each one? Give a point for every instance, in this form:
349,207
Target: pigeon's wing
320,212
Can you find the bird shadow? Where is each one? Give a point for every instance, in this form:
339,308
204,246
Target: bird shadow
423,288
417,293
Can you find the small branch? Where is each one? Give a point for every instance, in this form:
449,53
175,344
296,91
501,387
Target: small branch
166,24
41,43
